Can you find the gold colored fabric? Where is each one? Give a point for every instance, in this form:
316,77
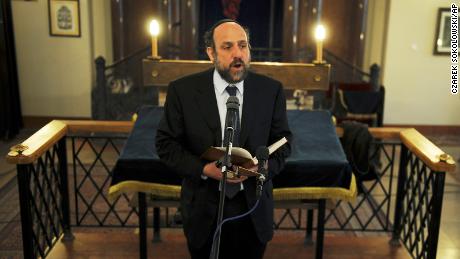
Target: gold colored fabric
129,187
279,194
300,193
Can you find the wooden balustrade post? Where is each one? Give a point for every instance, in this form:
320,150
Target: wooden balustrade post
436,209
64,185
375,77
402,175
26,214
99,99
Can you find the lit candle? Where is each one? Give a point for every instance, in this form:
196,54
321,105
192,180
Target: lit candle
320,35
154,31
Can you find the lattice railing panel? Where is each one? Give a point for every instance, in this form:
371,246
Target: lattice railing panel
422,190
373,207
40,193
93,161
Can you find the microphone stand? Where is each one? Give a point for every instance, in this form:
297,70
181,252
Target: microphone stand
223,183
230,125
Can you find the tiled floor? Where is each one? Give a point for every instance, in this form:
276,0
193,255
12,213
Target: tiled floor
449,242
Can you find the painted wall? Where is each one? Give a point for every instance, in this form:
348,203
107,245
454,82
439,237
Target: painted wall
102,30
376,24
56,73
417,82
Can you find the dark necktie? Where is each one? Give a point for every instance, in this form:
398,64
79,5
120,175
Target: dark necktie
232,189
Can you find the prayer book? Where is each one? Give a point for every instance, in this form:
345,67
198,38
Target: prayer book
240,156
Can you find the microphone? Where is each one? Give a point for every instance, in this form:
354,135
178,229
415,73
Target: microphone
233,104
262,156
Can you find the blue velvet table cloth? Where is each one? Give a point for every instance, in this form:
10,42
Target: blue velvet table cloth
317,167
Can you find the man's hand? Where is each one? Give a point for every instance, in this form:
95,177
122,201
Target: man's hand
212,171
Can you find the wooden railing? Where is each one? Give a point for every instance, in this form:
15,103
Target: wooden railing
51,133
429,153
421,163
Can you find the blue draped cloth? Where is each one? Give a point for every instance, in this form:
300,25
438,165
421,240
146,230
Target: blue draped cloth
317,158
363,102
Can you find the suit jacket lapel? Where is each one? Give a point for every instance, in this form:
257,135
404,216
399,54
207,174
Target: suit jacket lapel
249,110
206,100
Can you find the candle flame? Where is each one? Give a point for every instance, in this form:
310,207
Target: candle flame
154,28
320,32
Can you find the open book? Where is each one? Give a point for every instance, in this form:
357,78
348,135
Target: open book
240,156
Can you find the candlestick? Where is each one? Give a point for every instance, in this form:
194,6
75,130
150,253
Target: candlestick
319,51
320,35
154,31
154,46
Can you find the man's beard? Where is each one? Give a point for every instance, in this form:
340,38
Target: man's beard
226,74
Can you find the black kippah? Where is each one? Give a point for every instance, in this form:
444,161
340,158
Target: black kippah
209,34
221,22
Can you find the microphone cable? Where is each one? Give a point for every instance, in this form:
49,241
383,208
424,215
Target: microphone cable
262,154
218,228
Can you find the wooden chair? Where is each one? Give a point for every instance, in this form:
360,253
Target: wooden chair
358,102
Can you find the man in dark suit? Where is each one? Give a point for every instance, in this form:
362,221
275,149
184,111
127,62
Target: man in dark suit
194,116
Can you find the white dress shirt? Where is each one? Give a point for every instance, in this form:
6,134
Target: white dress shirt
222,95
